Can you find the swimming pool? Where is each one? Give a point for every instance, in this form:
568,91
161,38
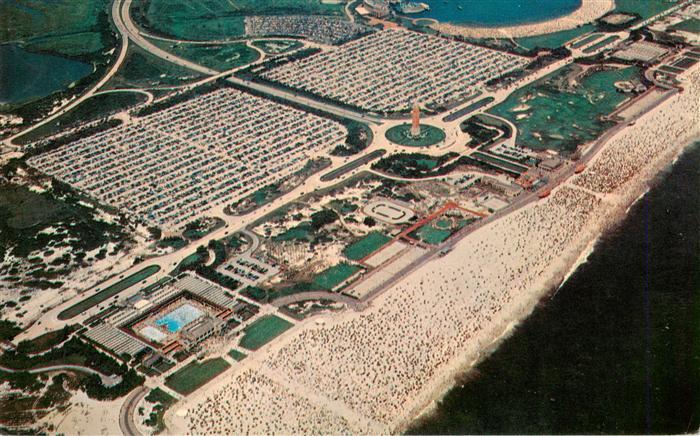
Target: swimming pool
180,317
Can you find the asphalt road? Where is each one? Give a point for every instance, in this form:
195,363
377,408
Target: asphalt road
126,413
124,21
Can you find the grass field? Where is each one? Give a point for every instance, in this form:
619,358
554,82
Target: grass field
690,25
91,109
219,57
108,292
334,276
553,40
432,235
195,375
645,8
603,43
237,355
263,331
57,24
587,40
214,19
366,246
141,69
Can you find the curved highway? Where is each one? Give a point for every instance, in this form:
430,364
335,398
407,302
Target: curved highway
124,21
112,71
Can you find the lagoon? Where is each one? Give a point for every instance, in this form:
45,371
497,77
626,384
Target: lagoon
26,76
495,13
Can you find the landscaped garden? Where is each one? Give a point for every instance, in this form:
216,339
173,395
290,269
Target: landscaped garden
429,135
276,46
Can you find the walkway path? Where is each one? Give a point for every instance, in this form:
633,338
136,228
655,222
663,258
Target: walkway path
126,413
107,380
318,295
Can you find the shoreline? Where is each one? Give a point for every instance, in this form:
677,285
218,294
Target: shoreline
630,193
440,321
589,11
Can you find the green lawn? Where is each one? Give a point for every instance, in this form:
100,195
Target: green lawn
690,25
645,8
30,18
431,235
108,292
334,276
603,43
237,355
429,135
143,70
587,40
263,331
366,246
553,40
195,375
220,57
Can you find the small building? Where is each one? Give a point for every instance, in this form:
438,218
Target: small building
641,51
551,164
200,331
507,189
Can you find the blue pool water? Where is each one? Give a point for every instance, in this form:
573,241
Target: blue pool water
494,13
180,317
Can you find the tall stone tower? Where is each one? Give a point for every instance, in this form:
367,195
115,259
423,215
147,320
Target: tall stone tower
415,120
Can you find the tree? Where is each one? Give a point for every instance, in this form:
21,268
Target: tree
322,218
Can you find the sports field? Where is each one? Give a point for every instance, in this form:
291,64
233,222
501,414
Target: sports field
108,292
366,246
334,276
237,355
195,375
263,331
432,235
690,25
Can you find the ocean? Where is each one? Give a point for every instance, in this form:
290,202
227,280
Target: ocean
617,348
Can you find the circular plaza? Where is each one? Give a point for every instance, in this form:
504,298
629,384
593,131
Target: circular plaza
428,135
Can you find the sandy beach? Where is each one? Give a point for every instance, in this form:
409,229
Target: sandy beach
587,12
377,370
